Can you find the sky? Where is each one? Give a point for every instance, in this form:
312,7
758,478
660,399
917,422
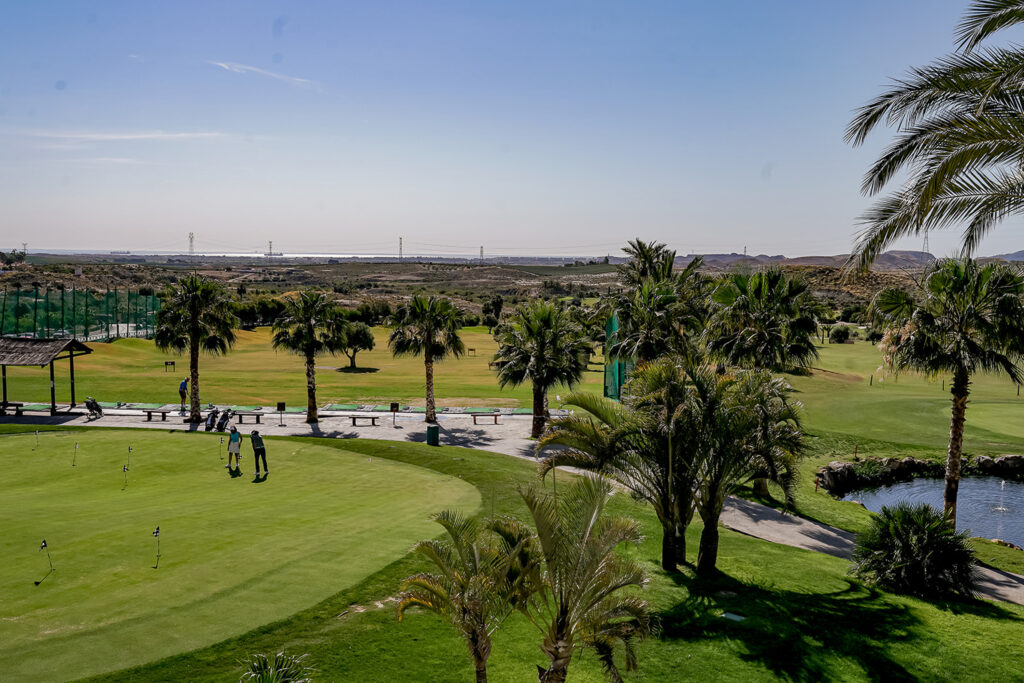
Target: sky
533,128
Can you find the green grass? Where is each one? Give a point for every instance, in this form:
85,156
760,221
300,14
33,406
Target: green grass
132,370
235,554
805,618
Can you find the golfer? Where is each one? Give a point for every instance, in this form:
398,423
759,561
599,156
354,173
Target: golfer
183,392
235,448
258,451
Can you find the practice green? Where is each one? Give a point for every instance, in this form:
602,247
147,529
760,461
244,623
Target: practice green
235,554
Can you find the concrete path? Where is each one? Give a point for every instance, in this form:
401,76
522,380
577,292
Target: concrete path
773,525
511,437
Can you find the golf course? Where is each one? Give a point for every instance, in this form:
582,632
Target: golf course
234,554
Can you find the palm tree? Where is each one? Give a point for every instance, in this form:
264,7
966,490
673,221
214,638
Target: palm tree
967,318
640,444
647,261
540,343
574,596
648,324
307,327
428,327
472,589
960,122
744,428
195,316
764,320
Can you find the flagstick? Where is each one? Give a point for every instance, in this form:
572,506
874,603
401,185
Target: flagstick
220,448
157,565
125,478
75,456
37,439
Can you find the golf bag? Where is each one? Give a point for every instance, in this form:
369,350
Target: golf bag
225,417
95,411
211,420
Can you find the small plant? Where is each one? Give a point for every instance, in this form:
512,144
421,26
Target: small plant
912,549
283,668
840,334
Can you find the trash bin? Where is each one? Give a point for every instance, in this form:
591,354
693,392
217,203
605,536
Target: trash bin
433,435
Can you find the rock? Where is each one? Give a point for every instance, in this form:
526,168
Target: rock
1009,465
984,464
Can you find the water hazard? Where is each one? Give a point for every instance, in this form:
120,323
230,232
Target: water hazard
989,507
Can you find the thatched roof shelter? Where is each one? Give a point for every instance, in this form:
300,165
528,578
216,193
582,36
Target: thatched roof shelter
22,351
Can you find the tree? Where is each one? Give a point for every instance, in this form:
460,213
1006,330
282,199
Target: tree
966,319
957,150
763,320
743,428
353,337
472,588
542,345
647,261
195,316
428,327
910,548
307,328
574,595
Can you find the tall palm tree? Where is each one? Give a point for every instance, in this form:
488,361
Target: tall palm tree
472,588
960,122
647,261
744,428
763,319
542,344
195,316
428,327
575,596
649,324
307,327
966,319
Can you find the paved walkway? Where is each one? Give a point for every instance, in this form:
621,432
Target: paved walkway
511,437
773,525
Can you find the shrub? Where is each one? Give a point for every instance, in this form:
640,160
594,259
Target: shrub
283,668
912,549
874,336
840,334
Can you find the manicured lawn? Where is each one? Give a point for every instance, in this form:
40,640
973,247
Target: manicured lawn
805,618
132,370
235,554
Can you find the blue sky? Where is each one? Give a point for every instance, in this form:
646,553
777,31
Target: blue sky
527,127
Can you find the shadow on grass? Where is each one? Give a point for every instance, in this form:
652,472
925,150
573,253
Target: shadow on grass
797,636
466,438
358,371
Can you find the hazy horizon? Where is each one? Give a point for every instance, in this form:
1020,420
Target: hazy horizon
528,129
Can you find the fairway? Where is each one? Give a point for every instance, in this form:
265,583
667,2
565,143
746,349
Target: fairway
235,554
253,373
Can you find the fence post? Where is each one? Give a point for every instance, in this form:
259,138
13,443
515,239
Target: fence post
3,314
35,312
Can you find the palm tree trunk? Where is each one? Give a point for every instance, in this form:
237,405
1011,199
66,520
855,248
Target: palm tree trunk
681,513
556,673
669,551
481,672
538,411
311,411
195,412
960,391
761,488
431,413
707,556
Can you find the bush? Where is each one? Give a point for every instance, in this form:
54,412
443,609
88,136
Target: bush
840,334
874,336
283,668
912,549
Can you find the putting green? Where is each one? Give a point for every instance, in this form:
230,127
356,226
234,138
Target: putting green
234,554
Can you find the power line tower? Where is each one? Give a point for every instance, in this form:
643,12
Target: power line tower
192,246
924,247
399,248
481,252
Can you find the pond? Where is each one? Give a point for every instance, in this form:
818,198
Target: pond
989,507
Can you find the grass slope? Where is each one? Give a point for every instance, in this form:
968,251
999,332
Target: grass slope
235,554
254,373
805,619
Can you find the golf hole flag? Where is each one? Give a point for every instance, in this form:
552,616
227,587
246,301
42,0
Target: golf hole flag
125,468
42,546
156,533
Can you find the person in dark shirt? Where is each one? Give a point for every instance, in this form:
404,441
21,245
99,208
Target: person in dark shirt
183,392
259,451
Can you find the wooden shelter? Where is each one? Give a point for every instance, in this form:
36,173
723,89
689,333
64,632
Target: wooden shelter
25,351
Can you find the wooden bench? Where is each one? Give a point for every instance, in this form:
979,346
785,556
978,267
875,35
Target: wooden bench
372,418
163,413
11,404
495,416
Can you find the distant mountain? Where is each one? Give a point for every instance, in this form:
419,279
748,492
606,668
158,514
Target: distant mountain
1015,256
888,261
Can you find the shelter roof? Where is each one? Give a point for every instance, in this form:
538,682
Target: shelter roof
30,351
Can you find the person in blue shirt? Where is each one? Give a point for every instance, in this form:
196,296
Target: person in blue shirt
235,448
183,392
